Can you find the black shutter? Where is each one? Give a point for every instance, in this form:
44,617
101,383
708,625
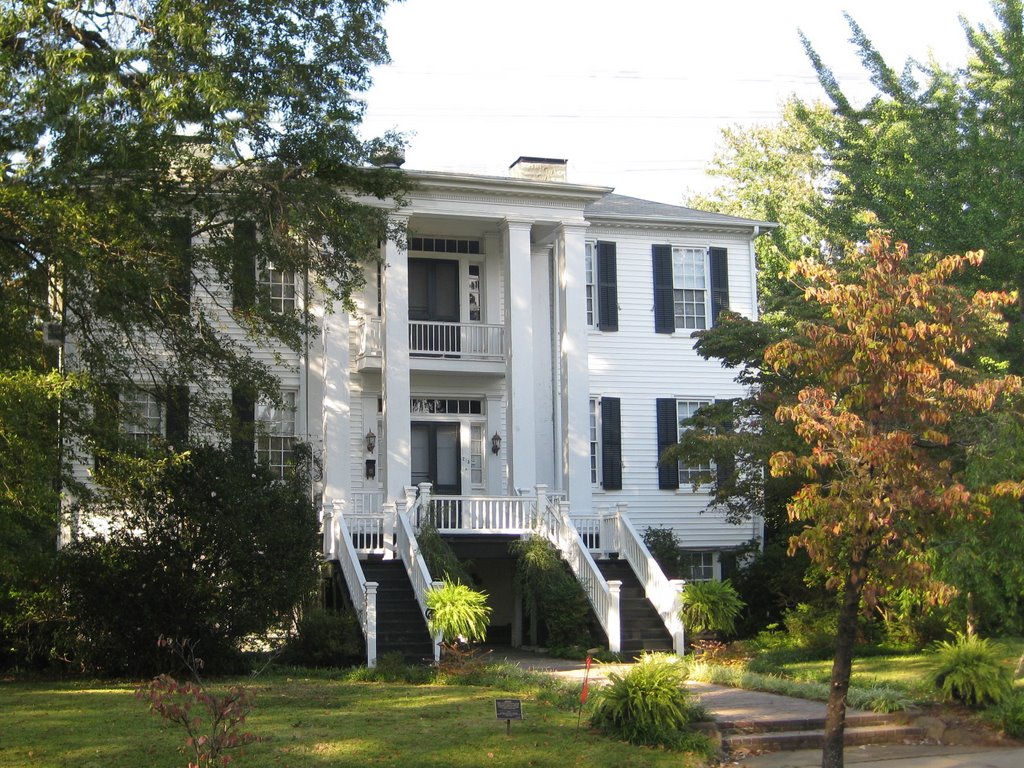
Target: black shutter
243,405
176,405
664,311
181,272
243,272
668,435
719,282
725,466
607,288
107,422
611,444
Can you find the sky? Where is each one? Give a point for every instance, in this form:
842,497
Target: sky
635,93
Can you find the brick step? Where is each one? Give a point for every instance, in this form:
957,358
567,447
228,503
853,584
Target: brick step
808,723
778,741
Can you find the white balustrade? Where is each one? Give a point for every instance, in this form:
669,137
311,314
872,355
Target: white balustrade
664,594
367,502
415,566
475,341
363,593
481,514
370,338
366,532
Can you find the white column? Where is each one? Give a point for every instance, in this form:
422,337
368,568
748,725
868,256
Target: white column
337,412
519,422
395,373
575,368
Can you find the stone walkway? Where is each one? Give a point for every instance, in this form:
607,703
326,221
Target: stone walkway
725,703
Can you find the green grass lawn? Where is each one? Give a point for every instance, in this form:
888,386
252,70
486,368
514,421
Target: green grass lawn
908,672
308,721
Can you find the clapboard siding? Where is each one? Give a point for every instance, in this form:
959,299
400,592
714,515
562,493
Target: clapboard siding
638,366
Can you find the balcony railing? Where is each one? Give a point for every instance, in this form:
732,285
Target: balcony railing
479,342
468,341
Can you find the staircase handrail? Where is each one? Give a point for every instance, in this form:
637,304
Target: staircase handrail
338,544
554,523
409,551
663,593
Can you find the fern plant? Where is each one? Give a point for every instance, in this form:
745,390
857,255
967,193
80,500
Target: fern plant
969,670
711,606
456,611
649,704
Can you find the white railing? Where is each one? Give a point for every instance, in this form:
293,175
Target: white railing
338,546
370,337
481,514
367,502
664,594
366,532
477,341
416,567
589,528
554,523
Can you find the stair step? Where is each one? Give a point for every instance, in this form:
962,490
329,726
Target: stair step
776,741
807,723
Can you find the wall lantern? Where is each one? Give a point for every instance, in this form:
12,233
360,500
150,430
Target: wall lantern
371,441
496,444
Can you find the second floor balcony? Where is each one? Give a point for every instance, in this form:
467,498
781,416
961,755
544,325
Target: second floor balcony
436,345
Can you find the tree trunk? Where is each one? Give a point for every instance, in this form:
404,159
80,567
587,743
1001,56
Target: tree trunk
835,716
972,615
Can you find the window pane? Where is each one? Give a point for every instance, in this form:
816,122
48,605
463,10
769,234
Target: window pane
684,410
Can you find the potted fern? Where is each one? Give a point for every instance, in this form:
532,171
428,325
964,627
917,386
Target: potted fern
710,608
458,614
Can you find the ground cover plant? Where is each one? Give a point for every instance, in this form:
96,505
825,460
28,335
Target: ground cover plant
311,718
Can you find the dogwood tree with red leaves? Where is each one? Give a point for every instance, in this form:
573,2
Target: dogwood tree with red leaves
882,468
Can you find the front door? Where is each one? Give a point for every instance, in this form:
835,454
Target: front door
437,459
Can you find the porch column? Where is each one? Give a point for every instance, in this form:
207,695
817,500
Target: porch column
519,379
395,385
575,392
337,412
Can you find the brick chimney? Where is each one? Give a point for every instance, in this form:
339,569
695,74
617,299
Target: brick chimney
539,169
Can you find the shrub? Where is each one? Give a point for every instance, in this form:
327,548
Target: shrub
206,546
456,611
663,545
1008,715
812,626
649,704
552,596
442,562
969,670
711,606
325,638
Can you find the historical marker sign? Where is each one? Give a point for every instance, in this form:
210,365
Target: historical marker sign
508,709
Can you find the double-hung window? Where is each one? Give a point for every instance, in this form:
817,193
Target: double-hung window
699,566
691,287
142,417
275,435
277,288
671,412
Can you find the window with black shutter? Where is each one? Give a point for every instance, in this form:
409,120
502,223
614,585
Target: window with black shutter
668,435
177,415
607,287
611,444
664,312
719,258
725,466
243,405
243,272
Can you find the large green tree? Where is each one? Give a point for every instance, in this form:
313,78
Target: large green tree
155,156
883,476
936,158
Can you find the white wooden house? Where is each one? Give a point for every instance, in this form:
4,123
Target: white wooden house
517,365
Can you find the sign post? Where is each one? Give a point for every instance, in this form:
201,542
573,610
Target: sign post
508,710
